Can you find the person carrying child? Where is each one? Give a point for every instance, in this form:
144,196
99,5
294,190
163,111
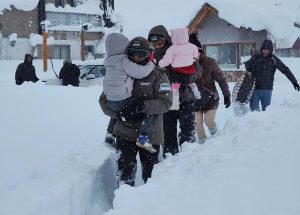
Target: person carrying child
152,97
119,78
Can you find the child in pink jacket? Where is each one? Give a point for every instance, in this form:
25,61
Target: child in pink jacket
181,56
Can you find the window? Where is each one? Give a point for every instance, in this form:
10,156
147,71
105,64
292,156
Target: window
228,55
74,19
70,2
59,3
247,49
89,50
224,54
62,52
62,3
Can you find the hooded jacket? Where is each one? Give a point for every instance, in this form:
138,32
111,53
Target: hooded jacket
181,53
263,68
25,71
211,73
161,30
69,74
120,71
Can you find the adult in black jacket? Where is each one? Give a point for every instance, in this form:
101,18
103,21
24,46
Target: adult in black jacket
26,71
263,66
69,73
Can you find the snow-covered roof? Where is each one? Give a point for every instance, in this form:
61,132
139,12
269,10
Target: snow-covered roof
277,17
24,5
89,7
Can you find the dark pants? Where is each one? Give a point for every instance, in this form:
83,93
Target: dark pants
262,96
127,163
111,125
118,105
186,117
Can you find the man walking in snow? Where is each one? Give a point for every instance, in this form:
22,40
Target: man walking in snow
26,71
263,66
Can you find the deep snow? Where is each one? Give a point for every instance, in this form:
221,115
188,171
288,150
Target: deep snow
53,161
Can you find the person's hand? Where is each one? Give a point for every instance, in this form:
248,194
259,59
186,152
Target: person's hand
103,97
227,101
296,86
133,111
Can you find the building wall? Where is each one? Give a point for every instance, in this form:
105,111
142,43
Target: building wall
297,44
217,30
71,39
21,22
17,52
288,52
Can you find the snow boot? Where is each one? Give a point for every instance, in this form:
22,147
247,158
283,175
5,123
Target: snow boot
110,140
175,91
213,131
143,141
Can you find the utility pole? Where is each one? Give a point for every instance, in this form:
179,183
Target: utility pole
82,42
45,50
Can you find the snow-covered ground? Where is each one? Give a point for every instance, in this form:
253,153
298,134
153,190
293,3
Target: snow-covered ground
53,161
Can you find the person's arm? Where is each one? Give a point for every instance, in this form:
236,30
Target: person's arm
60,76
285,70
135,70
167,58
77,70
250,64
219,76
106,110
221,79
163,96
35,78
18,76
161,103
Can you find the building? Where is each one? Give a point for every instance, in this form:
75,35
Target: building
228,44
71,24
292,50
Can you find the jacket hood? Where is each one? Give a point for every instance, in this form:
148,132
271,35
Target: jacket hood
116,44
27,56
161,30
180,36
267,44
193,38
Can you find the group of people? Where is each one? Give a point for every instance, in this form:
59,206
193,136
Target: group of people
153,84
69,73
142,76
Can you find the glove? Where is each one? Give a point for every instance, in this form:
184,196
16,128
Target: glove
296,86
227,101
133,111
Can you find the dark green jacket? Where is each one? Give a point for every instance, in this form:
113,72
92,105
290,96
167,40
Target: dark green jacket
157,101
